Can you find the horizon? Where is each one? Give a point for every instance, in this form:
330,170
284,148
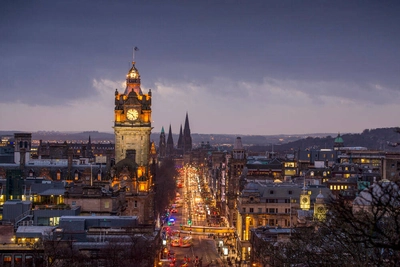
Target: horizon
155,132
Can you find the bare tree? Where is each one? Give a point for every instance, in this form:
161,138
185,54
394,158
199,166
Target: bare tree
165,184
366,233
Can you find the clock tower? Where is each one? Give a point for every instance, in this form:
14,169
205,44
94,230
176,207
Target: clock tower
305,201
134,153
132,114
320,207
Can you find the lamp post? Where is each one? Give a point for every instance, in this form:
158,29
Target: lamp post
290,214
91,175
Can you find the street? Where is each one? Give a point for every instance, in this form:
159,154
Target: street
190,209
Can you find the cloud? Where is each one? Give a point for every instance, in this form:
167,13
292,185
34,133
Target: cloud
93,112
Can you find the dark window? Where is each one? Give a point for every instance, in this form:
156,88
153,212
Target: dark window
28,260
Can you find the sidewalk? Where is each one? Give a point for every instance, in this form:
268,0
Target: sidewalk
221,261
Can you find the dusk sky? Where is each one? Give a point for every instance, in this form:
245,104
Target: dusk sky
237,67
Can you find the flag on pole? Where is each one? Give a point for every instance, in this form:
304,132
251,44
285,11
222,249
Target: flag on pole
136,48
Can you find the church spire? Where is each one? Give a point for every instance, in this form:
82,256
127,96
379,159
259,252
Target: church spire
187,138
180,139
170,143
162,145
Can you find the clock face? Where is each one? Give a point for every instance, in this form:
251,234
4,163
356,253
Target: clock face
320,209
305,200
132,114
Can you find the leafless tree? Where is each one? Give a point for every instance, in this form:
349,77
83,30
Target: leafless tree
165,184
365,233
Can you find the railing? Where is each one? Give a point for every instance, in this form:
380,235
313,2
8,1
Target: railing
22,216
56,207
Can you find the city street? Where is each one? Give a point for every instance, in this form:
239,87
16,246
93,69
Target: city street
188,210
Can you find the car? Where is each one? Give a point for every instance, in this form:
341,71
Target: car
174,211
171,221
175,242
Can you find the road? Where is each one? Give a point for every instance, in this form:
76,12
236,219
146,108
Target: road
203,251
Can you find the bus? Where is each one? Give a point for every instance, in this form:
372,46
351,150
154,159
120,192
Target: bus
207,229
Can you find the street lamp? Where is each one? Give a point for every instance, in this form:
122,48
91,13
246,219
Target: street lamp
91,174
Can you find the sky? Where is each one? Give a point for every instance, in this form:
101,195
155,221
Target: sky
236,67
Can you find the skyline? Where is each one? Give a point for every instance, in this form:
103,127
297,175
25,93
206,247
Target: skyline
263,68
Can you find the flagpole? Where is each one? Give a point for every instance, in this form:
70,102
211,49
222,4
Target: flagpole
133,54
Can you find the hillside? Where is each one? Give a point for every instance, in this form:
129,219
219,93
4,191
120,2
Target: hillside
369,138
374,139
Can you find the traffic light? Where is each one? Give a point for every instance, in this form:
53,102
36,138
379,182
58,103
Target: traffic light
190,222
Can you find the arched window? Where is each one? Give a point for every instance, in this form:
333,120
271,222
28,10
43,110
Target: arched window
59,175
76,175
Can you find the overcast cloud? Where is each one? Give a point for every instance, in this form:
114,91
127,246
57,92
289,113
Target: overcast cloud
240,67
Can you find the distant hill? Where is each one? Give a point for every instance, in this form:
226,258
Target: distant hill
374,139
214,139
370,138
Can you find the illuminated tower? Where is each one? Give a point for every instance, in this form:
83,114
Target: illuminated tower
132,125
320,207
305,197
134,153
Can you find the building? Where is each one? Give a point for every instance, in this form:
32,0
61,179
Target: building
162,145
132,129
274,204
236,164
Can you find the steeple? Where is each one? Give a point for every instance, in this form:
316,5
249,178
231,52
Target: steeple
170,143
133,81
162,145
187,138
180,139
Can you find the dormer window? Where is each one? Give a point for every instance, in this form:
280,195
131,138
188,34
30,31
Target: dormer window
290,192
251,198
271,192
